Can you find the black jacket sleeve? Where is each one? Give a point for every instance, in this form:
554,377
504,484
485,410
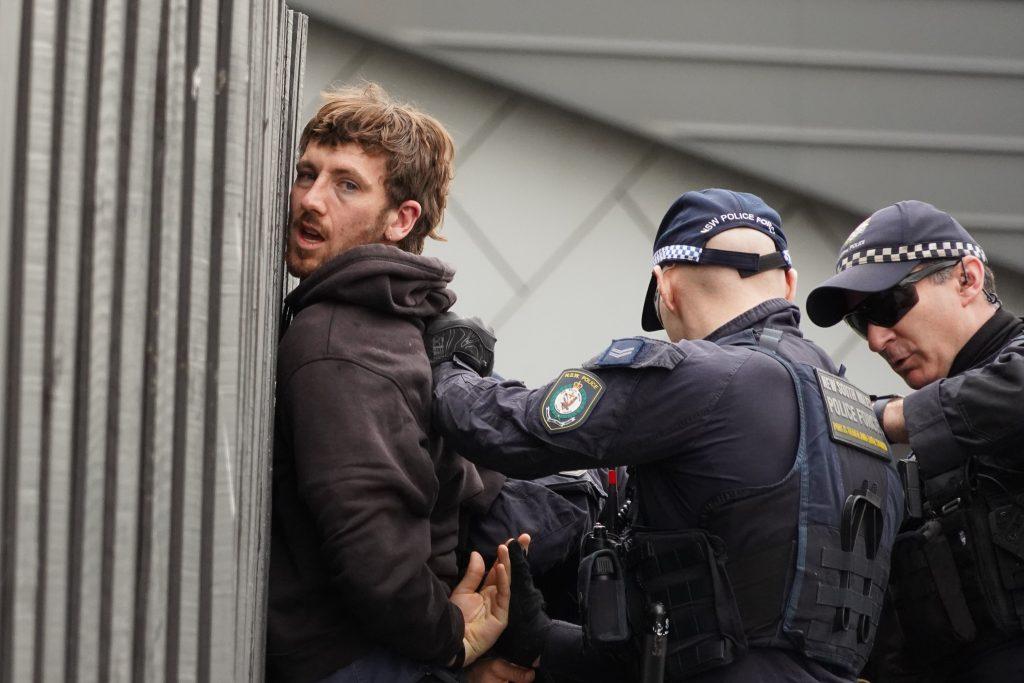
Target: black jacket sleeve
364,472
978,411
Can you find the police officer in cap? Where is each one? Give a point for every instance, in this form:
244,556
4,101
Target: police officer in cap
764,497
913,283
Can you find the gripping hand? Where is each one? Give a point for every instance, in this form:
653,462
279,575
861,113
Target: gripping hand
448,337
528,625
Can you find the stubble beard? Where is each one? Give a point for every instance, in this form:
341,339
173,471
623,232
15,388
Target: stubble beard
374,234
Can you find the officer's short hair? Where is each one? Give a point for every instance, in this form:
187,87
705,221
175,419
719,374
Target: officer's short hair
989,284
418,151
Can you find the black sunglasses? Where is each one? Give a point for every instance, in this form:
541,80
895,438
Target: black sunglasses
886,308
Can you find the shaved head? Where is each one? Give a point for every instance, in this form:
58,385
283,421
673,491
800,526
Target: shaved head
708,296
718,281
743,239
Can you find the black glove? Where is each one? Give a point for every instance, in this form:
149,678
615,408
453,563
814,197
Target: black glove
449,337
523,639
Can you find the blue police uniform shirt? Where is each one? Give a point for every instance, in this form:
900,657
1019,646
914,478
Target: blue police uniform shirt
699,417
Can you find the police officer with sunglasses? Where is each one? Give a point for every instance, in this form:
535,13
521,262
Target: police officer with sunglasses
915,284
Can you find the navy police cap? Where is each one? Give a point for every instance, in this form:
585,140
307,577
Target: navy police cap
883,250
698,216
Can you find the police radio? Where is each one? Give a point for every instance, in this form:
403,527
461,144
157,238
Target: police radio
911,480
602,591
603,601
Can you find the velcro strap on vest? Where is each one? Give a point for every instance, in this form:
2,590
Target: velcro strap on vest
673,559
834,596
833,558
769,339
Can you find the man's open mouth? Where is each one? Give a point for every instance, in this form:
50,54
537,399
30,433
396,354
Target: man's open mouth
308,235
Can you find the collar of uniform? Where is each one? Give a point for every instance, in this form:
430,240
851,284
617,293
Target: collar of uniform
784,316
987,341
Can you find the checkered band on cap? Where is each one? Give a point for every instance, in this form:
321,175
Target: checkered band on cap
677,252
925,250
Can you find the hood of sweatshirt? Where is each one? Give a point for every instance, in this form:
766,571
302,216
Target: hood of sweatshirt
380,277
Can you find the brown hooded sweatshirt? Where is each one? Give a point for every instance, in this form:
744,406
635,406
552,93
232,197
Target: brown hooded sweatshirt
365,497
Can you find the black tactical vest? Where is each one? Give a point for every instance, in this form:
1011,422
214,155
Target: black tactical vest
959,575
801,564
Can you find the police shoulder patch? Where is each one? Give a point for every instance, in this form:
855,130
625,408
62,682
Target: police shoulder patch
851,417
570,400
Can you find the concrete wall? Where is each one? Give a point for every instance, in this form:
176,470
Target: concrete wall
143,156
861,104
552,215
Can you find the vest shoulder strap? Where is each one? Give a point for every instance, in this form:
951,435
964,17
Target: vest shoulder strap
769,339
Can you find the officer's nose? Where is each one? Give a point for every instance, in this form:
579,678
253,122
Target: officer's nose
878,337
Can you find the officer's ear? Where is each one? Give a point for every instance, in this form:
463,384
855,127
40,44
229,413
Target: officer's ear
791,277
665,289
971,278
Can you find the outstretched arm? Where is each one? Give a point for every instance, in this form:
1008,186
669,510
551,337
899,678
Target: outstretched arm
978,411
491,423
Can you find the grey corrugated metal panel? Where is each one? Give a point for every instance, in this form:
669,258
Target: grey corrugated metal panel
249,480
149,163
271,142
155,624
192,354
22,461
65,345
129,388
21,479
224,592
272,147
136,235
96,172
10,47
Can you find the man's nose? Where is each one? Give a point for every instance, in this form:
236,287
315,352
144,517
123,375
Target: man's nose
314,197
878,337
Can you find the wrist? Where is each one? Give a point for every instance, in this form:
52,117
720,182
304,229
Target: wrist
893,422
467,656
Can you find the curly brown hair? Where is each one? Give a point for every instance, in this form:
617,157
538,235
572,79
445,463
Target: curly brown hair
419,153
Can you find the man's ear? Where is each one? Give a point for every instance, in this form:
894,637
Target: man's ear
665,289
971,280
791,277
401,220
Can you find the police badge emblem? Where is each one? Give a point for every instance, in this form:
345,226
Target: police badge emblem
857,232
570,400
